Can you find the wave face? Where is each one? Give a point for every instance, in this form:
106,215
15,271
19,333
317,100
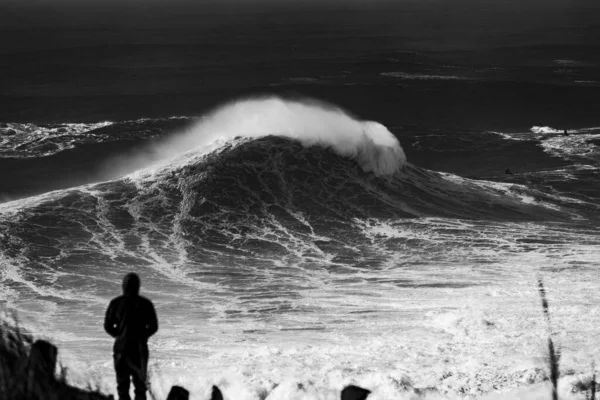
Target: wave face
280,236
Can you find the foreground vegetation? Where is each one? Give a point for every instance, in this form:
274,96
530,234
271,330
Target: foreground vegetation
28,370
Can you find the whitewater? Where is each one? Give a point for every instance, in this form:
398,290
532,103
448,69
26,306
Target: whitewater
291,248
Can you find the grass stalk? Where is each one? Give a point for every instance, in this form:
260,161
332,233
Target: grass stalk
593,383
553,353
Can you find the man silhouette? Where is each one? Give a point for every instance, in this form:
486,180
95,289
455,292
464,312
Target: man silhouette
131,320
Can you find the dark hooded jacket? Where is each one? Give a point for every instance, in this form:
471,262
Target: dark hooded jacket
130,318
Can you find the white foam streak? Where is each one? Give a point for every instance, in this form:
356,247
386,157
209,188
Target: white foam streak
424,77
31,140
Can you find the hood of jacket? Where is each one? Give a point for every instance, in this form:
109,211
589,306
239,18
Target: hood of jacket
131,284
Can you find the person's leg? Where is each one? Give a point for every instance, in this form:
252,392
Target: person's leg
122,371
140,373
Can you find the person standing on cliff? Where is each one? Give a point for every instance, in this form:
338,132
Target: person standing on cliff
131,320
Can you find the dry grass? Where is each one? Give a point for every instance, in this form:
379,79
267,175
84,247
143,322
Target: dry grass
553,353
21,379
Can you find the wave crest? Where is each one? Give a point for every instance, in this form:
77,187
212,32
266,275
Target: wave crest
311,123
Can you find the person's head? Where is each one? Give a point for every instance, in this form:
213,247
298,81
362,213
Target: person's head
131,283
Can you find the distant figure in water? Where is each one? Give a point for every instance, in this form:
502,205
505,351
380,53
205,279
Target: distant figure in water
131,320
566,133
508,172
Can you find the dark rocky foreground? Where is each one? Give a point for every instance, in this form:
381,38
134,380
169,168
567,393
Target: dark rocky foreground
28,372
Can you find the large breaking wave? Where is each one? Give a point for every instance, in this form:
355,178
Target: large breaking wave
258,173
310,123
247,196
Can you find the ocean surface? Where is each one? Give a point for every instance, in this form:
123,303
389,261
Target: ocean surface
313,194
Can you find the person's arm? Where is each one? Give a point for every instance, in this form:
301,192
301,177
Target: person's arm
110,323
152,321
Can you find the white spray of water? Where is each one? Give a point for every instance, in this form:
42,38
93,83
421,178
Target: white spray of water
369,143
544,129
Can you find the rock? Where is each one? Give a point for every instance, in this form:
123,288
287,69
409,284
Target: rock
352,392
216,394
41,365
178,393
42,359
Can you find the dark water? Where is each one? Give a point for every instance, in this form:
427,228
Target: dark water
466,64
